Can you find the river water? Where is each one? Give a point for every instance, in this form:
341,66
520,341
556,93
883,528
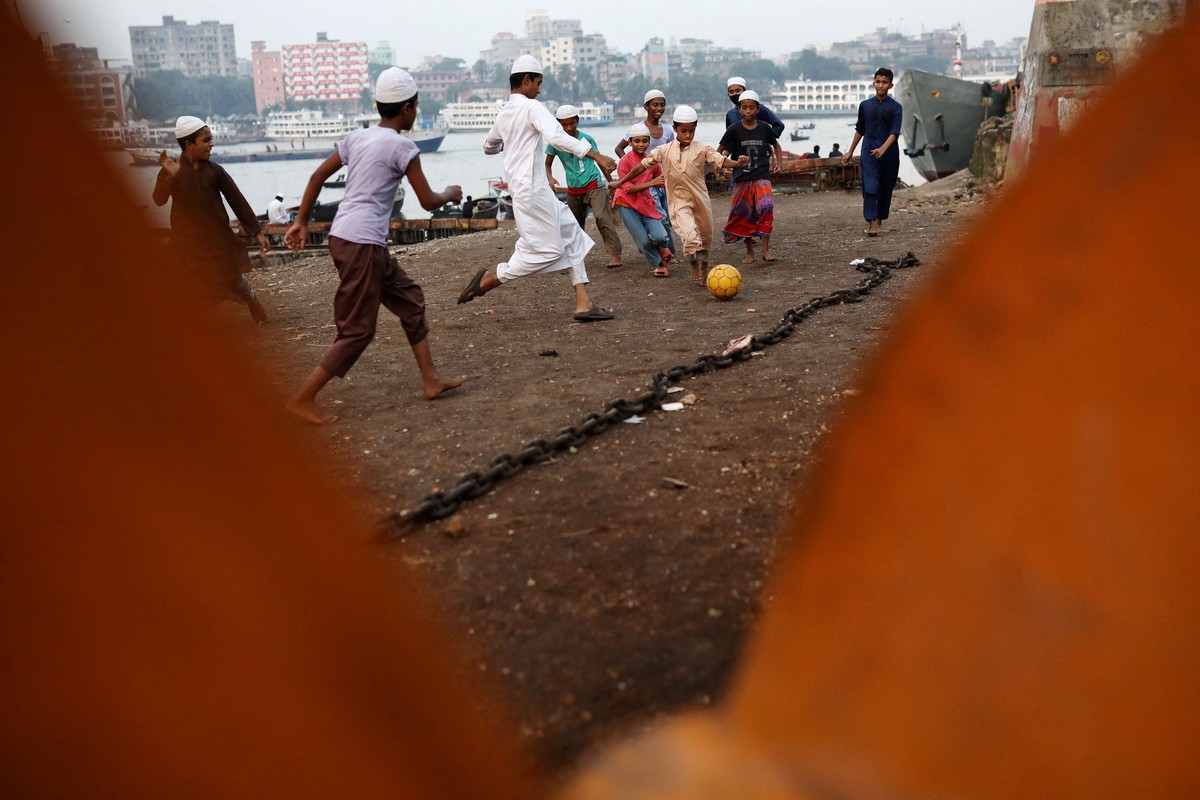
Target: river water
460,160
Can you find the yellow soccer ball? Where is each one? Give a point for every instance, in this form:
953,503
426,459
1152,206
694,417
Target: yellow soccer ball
724,281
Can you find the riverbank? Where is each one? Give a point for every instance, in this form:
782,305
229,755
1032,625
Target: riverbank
617,581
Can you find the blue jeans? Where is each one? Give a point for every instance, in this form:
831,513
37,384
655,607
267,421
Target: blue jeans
659,193
649,234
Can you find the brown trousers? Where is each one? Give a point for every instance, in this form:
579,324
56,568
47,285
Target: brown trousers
370,276
598,200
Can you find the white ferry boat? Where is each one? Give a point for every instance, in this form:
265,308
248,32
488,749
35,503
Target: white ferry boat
470,116
812,98
479,116
310,125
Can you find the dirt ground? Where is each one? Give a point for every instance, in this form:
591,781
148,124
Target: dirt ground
617,582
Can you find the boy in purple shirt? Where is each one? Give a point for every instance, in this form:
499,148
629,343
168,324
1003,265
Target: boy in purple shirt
376,158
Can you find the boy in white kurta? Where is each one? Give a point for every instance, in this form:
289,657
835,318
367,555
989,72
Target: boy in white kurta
683,162
550,239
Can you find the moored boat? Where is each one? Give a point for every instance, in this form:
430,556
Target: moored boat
309,125
941,116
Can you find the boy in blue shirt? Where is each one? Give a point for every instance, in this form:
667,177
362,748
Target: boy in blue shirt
377,158
878,127
586,187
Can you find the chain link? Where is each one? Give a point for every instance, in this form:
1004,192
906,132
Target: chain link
439,504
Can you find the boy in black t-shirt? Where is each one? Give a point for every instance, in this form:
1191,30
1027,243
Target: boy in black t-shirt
752,210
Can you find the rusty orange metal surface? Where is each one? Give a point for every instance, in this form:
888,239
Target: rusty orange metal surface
187,605
991,591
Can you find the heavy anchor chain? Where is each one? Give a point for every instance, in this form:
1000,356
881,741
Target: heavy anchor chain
440,504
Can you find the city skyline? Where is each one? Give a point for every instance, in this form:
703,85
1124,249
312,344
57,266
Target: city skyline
106,26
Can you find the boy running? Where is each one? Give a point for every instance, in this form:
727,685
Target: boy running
683,165
637,207
201,240
586,187
752,210
550,239
376,158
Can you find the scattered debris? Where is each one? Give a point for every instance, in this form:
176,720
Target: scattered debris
454,527
675,484
740,343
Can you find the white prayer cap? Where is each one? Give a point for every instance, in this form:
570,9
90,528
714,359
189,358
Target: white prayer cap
526,63
637,129
394,85
684,114
186,126
279,195
653,94
735,81
566,111
749,95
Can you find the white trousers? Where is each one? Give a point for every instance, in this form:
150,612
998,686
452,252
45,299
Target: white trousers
549,240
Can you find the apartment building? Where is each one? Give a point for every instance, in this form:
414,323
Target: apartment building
266,71
327,71
202,50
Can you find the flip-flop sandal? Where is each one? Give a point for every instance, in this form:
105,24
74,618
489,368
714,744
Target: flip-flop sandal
473,289
662,272
594,314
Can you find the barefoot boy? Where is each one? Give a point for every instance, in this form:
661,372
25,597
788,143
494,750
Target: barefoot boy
683,163
201,239
550,240
752,209
878,127
376,159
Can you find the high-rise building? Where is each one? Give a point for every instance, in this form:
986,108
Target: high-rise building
267,74
382,54
653,61
202,50
326,71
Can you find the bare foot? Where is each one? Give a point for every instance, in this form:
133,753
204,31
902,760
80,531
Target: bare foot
437,386
697,275
308,411
767,257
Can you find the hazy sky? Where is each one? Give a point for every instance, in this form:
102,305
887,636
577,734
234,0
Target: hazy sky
462,28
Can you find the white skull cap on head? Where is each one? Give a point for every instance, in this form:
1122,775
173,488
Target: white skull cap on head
394,85
749,95
735,81
566,111
684,114
186,126
637,129
526,63
653,94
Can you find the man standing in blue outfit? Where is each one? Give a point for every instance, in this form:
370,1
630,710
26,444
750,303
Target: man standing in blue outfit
878,127
734,88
